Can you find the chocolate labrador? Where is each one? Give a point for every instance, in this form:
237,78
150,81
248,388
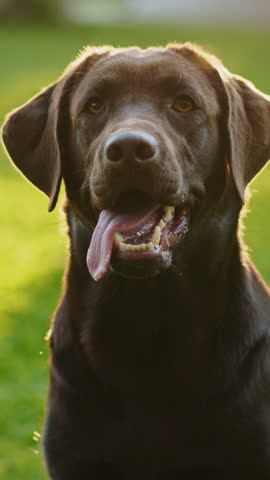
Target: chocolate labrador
160,365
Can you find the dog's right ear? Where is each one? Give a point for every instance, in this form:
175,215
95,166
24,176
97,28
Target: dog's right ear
31,133
30,137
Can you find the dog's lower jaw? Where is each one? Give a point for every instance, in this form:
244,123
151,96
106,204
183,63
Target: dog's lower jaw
141,269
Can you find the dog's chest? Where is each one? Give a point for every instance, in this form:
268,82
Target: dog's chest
149,436
182,438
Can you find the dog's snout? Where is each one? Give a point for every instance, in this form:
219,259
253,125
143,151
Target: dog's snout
133,146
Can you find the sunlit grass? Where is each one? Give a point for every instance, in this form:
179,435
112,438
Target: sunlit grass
32,249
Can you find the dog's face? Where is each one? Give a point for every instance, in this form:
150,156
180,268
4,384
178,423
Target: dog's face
145,132
145,141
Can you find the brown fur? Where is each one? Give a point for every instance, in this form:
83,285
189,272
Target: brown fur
166,377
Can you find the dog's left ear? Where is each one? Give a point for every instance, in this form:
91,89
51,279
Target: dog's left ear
248,126
245,118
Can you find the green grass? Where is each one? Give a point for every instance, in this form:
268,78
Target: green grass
32,246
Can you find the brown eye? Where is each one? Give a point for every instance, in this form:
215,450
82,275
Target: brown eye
183,104
95,105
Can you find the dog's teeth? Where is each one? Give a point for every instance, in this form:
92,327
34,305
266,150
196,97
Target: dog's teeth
117,239
161,224
169,213
142,246
123,245
156,235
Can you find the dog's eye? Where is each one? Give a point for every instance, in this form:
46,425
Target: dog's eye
95,105
183,104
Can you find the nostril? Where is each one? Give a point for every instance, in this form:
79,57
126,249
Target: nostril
144,151
114,152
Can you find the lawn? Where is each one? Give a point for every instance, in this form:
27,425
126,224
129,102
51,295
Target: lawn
32,245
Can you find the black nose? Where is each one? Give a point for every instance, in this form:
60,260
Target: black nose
134,145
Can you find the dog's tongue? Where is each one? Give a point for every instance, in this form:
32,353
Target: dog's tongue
110,222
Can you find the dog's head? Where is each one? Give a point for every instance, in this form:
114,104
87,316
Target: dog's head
145,140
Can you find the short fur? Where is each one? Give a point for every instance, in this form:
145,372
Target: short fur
166,377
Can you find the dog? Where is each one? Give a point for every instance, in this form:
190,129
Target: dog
160,346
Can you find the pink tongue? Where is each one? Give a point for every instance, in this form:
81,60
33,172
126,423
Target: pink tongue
109,222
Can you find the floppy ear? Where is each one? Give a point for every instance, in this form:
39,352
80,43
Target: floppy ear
30,135
248,130
246,118
34,133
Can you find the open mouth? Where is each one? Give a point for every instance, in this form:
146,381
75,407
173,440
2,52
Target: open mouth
137,233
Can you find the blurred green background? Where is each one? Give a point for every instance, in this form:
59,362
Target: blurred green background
32,243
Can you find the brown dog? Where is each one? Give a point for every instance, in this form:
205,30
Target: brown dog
161,368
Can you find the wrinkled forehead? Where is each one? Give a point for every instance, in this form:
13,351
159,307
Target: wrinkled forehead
151,71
